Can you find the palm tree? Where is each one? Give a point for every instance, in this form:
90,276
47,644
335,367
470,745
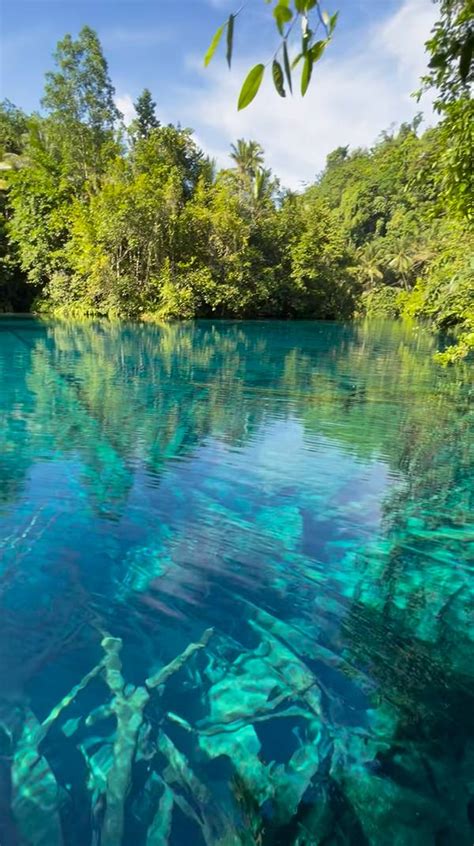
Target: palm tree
262,184
255,181
407,257
369,266
400,261
248,156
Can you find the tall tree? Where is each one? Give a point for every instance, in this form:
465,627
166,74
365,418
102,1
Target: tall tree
79,97
146,119
80,89
66,154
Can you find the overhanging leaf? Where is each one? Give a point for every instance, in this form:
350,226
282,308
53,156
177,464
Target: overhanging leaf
282,15
277,73
230,38
317,50
286,65
213,45
333,22
296,60
250,87
306,74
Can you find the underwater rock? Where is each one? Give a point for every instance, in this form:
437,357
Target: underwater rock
243,748
160,828
390,814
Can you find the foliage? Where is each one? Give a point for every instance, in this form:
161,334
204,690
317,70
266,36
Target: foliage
146,119
14,295
40,201
451,74
451,47
414,246
384,301
323,286
79,98
451,69
316,27
456,173
13,126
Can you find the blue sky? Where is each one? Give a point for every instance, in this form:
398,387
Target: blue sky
361,86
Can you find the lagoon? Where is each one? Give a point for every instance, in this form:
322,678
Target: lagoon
293,499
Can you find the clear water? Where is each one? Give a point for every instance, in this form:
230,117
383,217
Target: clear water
305,490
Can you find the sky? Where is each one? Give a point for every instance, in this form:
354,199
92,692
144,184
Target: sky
362,86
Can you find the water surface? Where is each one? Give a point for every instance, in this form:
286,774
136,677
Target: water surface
294,499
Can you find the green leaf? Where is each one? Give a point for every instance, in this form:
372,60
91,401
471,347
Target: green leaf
296,60
286,65
317,50
333,22
306,74
439,60
303,6
230,38
250,87
466,57
277,73
213,45
326,19
282,16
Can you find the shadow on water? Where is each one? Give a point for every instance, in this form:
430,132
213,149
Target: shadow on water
235,586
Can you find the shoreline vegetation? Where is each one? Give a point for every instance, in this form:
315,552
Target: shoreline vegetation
137,223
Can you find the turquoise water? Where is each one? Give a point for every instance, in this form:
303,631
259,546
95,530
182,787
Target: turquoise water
293,499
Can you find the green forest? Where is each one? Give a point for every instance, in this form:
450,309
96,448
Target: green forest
99,220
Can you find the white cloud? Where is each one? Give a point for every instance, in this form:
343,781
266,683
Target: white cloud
221,4
404,33
124,103
352,98
122,37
